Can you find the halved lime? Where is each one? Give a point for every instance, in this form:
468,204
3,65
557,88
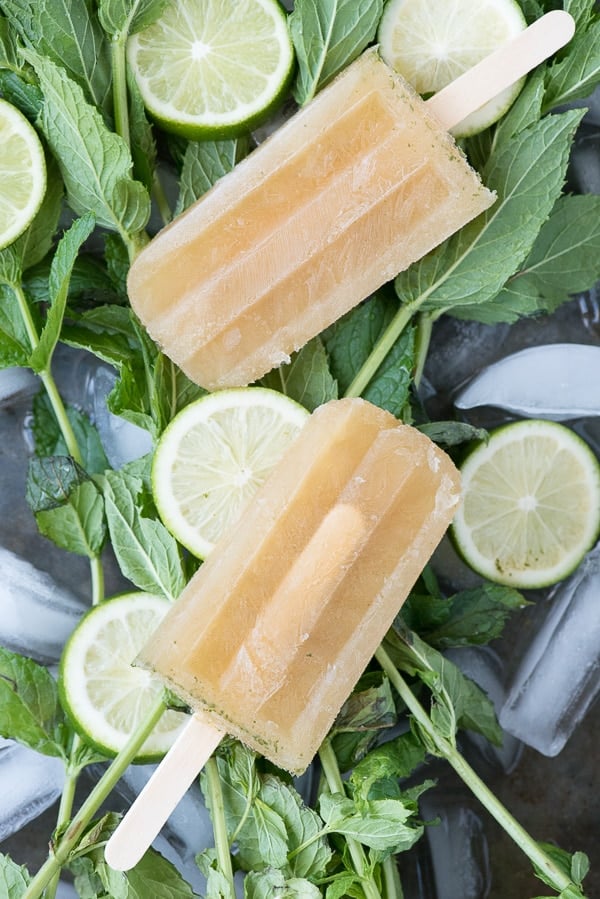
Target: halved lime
22,173
213,457
213,68
105,697
531,504
432,44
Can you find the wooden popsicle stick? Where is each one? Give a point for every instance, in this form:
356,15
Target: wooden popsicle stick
488,78
169,783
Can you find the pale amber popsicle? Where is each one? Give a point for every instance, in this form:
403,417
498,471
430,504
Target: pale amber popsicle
276,627
355,187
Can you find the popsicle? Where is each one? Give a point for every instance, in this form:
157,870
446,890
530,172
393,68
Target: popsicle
273,631
355,187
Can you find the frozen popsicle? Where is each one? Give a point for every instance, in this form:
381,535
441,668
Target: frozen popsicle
271,634
359,184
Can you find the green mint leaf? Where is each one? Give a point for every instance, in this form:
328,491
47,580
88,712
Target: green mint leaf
116,256
204,162
14,878
217,885
382,824
122,17
349,343
565,256
471,617
141,137
575,76
38,240
50,481
271,883
525,111
89,282
369,710
307,378
396,759
68,34
106,331
14,341
58,289
172,390
580,866
147,554
49,440
471,268
267,818
327,36
95,163
452,433
76,522
346,885
563,860
29,707
457,700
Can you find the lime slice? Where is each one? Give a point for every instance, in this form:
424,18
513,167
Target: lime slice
103,694
431,46
531,504
213,68
214,455
22,173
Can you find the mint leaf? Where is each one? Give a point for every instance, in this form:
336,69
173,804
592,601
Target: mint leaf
95,163
349,342
141,137
576,75
14,341
49,440
29,707
328,35
67,33
204,162
307,378
147,554
14,878
71,514
382,824
471,268
457,701
119,17
271,883
471,617
369,710
452,433
393,760
58,289
564,258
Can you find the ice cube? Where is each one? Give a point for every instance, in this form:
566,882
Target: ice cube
556,381
36,614
558,676
29,784
122,441
16,383
458,848
484,666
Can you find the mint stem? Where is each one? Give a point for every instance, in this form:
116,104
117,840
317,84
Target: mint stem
336,785
120,97
526,843
377,356
391,879
424,331
98,795
213,782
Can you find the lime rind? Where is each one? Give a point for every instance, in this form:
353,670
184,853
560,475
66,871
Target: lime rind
430,50
214,455
209,69
103,695
531,504
22,173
